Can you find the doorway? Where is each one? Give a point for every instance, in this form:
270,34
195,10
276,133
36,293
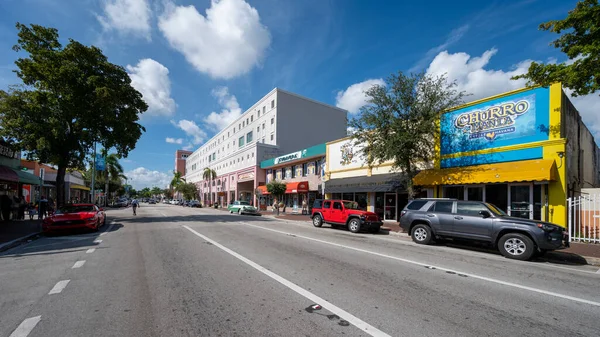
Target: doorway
521,200
390,206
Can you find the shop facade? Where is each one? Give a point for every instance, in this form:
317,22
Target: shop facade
525,151
301,171
377,189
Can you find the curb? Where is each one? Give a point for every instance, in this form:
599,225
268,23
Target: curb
16,242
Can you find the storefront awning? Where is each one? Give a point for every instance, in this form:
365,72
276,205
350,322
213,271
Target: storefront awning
27,178
8,174
262,190
297,187
374,183
79,187
527,170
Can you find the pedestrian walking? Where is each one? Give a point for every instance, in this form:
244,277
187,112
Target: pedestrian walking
31,210
134,205
22,206
43,206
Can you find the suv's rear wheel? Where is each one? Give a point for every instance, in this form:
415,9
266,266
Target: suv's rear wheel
317,220
516,246
421,234
354,225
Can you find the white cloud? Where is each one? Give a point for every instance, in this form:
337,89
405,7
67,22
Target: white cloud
225,43
471,76
191,129
174,141
354,98
189,147
142,177
230,112
128,17
152,80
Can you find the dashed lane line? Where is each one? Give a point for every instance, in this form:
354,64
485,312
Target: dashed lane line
25,328
362,325
98,241
59,287
78,264
91,250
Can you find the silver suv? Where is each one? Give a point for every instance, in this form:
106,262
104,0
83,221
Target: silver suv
515,238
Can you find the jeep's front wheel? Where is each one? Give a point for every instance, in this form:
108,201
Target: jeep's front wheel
317,221
354,225
421,234
516,246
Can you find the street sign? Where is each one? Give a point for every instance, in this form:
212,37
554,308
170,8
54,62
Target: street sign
100,164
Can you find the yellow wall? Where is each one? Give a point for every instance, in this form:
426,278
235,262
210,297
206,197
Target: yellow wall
557,190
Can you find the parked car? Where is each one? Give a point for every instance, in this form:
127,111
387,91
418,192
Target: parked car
515,238
242,207
195,203
121,203
75,216
152,202
344,213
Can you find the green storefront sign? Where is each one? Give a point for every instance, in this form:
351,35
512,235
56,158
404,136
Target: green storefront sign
313,151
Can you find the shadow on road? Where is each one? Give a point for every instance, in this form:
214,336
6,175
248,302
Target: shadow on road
69,241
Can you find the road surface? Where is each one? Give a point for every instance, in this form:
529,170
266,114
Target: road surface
175,271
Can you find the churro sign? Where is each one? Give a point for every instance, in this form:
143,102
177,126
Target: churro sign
493,121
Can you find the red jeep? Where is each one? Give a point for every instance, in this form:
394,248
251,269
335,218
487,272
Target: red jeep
344,213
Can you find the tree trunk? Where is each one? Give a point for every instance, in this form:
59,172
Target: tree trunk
106,187
60,186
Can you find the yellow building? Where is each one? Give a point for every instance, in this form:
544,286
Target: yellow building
525,151
376,189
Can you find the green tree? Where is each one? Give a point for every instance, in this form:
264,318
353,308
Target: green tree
400,122
188,190
156,191
133,193
71,97
277,189
112,170
581,42
177,180
210,175
145,192
168,193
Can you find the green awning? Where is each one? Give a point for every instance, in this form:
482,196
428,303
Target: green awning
27,178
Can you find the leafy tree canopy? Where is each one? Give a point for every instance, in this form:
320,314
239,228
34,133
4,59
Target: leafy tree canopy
399,123
71,97
188,190
276,188
581,42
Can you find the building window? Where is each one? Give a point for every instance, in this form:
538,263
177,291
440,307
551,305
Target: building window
294,171
227,133
288,172
272,136
263,140
233,130
243,123
304,169
257,130
264,109
248,156
272,104
318,167
241,141
272,121
263,127
249,137
247,121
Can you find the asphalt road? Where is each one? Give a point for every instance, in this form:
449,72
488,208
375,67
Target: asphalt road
174,271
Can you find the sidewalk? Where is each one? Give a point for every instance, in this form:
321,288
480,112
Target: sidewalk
14,230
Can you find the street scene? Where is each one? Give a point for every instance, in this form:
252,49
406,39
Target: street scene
314,168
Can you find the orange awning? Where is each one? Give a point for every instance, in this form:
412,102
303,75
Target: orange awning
297,187
526,170
263,190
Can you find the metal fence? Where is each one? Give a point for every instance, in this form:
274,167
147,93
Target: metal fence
583,215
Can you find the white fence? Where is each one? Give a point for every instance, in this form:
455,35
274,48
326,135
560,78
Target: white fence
583,214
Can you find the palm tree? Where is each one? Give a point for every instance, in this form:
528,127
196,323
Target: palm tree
210,175
177,180
156,191
112,171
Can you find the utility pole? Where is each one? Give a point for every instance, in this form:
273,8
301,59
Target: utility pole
94,175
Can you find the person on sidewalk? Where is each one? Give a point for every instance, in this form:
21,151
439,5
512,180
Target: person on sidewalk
31,210
42,207
22,205
134,205
5,204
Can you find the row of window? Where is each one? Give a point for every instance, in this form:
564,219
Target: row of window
290,172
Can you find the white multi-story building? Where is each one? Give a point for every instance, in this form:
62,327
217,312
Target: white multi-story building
280,122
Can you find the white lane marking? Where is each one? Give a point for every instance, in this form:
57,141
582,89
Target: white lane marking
364,326
108,229
25,328
571,269
113,222
163,214
98,241
78,264
598,272
59,287
483,278
91,250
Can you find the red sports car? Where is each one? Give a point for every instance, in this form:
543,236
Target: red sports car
75,216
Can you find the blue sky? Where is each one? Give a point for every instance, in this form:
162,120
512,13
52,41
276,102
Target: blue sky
201,63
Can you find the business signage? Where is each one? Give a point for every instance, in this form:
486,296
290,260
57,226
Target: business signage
289,157
246,176
100,163
515,119
6,151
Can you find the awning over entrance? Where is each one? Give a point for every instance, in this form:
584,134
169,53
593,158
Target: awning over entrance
375,183
79,187
8,174
297,187
263,190
527,170
27,178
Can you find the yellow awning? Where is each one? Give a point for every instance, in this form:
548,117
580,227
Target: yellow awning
527,170
79,187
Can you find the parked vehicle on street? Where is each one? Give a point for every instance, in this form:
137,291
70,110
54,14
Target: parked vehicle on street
344,213
516,238
242,207
75,216
152,202
195,203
